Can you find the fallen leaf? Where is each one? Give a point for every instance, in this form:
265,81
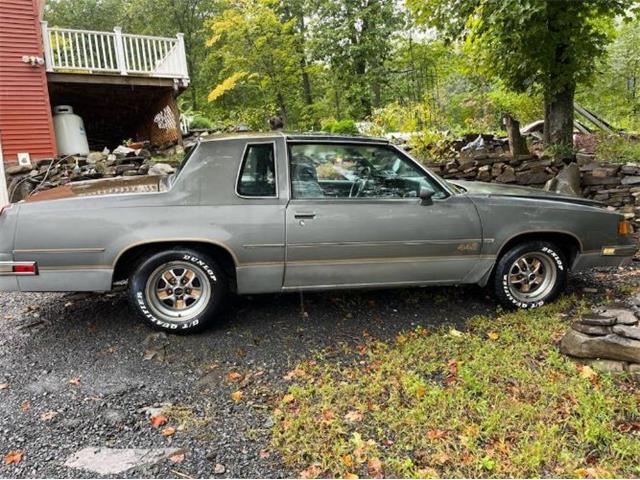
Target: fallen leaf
312,472
353,416
629,427
4,386
168,431
158,420
295,373
236,396
234,376
14,457
219,469
441,458
177,457
25,406
264,454
375,467
350,476
75,381
327,416
421,392
587,372
48,416
347,460
435,434
288,398
493,335
455,333
427,473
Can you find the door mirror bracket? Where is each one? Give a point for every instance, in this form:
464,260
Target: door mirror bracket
426,195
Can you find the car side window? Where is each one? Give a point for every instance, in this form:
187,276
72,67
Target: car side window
355,171
257,177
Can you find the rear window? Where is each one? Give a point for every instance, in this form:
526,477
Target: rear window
257,176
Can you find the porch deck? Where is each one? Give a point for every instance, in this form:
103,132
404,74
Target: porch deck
74,52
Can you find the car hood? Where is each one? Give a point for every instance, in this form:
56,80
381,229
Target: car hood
106,186
498,189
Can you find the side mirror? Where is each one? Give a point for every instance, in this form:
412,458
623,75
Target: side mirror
425,195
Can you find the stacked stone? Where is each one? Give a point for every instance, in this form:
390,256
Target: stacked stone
123,161
616,185
607,338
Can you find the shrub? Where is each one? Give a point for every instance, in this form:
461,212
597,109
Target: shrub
200,121
617,148
344,127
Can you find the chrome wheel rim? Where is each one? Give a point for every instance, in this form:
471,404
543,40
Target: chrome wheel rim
532,277
178,291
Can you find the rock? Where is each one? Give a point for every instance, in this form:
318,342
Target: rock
623,316
608,366
627,331
508,175
112,461
631,180
584,158
591,329
95,157
219,469
531,178
634,370
161,169
566,182
598,319
610,347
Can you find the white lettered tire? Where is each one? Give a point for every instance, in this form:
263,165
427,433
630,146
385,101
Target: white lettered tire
530,274
178,290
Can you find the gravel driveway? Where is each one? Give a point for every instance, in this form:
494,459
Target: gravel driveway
103,374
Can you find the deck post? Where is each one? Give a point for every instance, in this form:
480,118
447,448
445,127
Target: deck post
46,42
184,70
120,56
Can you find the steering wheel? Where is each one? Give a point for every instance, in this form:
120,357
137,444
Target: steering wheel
361,183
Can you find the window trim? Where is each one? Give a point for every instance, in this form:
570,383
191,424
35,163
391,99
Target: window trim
388,146
243,160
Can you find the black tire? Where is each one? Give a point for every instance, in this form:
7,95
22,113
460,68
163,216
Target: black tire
150,281
530,292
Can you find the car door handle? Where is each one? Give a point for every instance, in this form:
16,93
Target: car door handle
305,215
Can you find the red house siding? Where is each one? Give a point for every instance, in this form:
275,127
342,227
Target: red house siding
25,113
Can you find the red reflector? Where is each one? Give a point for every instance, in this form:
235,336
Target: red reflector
24,269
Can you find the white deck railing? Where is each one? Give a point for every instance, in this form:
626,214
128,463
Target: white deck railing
86,51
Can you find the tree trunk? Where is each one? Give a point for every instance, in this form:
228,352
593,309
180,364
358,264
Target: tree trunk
558,118
517,144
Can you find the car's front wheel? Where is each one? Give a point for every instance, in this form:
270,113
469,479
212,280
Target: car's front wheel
178,290
530,274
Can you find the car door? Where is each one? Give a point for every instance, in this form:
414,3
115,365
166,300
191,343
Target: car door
355,218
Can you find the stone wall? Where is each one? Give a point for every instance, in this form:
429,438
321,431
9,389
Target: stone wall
616,185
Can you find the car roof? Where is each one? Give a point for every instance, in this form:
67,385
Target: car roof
297,137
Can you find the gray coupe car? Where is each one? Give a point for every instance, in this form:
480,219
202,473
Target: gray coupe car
259,213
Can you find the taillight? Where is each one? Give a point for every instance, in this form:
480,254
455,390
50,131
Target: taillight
624,228
25,268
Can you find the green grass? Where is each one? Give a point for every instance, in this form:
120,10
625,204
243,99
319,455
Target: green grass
462,404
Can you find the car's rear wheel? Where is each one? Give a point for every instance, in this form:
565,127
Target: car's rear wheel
530,274
178,290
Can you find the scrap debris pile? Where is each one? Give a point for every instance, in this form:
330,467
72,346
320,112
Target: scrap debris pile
487,158
126,160
608,339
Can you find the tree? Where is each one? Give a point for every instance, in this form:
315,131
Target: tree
549,45
354,38
257,57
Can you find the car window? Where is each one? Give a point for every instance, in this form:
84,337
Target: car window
257,176
355,171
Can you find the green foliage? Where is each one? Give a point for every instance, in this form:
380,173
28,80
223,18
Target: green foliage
617,149
497,400
344,127
201,122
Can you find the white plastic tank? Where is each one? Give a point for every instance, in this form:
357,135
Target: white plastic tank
71,137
